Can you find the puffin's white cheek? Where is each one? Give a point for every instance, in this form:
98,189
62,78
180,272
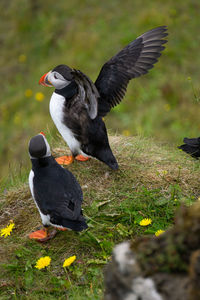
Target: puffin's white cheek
58,83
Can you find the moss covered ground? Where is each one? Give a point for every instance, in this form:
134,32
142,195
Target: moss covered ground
36,36
153,180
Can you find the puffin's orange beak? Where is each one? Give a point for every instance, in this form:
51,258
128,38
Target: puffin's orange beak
44,80
41,132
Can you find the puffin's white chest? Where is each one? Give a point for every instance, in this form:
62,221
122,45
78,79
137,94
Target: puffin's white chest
56,111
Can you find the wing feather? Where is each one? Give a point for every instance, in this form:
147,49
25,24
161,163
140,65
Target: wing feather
90,93
136,59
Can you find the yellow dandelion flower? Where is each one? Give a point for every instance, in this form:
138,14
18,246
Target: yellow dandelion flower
39,96
189,78
43,262
69,261
164,172
167,107
28,93
22,58
17,118
126,132
7,230
159,232
145,222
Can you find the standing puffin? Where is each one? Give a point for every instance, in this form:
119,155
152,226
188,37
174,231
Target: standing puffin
56,192
78,105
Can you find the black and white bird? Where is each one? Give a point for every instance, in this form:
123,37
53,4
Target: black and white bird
56,192
191,146
78,105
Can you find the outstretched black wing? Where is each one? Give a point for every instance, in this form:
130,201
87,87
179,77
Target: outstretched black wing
134,60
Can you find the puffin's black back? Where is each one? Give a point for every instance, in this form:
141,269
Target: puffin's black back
58,194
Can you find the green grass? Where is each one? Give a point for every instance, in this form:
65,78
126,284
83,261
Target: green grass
153,180
84,34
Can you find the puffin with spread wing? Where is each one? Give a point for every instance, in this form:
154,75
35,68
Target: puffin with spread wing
78,105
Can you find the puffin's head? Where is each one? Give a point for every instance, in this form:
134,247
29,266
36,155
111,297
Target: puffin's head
59,77
39,147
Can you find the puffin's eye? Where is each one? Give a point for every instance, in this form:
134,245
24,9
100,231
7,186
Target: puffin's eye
55,76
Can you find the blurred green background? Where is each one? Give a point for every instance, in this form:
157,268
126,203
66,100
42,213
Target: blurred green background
37,35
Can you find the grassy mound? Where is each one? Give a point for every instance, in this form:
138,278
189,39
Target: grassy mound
152,182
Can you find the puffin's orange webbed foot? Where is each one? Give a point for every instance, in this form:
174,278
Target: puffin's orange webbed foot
61,229
39,234
82,158
42,235
65,160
